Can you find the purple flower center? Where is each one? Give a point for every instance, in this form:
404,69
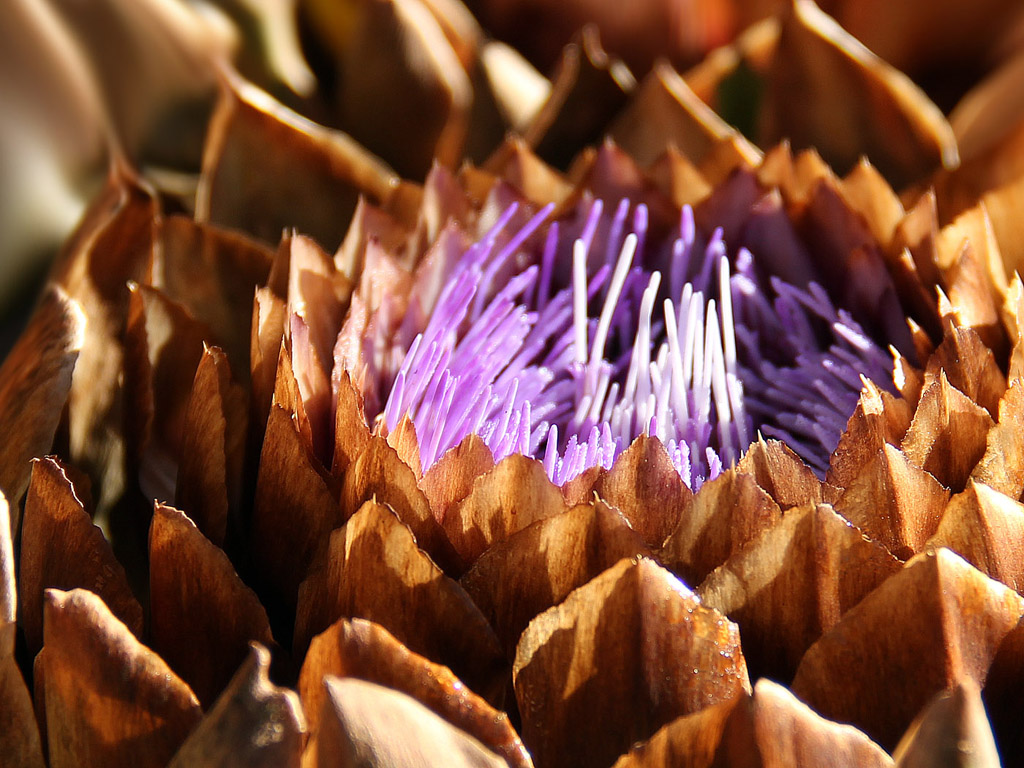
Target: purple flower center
679,340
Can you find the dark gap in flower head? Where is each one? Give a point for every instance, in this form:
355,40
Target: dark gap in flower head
570,359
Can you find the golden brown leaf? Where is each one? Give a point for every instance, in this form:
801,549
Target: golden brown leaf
852,103
374,570
792,583
986,528
895,502
646,487
935,622
663,112
364,650
451,477
1002,465
163,347
351,433
508,498
19,735
952,730
61,548
213,273
266,169
109,700
359,728
537,567
878,419
379,474
294,509
781,473
725,514
947,436
672,656
202,616
253,723
209,484
35,381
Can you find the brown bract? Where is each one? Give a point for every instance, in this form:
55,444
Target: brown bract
266,169
537,567
358,728
108,699
792,583
253,723
35,381
365,650
951,730
725,514
374,570
62,549
202,616
672,656
770,729
894,501
935,622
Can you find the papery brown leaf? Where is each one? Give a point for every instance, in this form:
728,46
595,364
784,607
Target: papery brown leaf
213,273
952,730
537,567
374,570
770,729
403,439
580,490
163,347
792,583
781,473
1013,319
1002,695
1002,203
678,178
784,731
646,487
294,509
451,477
35,381
520,167
664,111
516,493
109,699
725,514
113,245
691,740
609,174
397,67
1002,465
971,301
367,651
579,710
935,622
61,548
19,735
268,319
209,484
868,193
986,528
852,102
947,436
202,615
878,419
359,728
266,169
253,723
918,232
380,474
351,433
589,87
895,502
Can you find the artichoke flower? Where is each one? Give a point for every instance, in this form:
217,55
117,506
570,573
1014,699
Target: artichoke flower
638,442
